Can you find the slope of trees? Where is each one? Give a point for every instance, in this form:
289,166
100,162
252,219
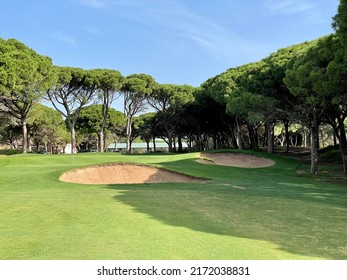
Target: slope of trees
47,128
296,90
169,101
109,83
75,88
303,84
24,77
91,119
308,81
135,90
340,25
10,131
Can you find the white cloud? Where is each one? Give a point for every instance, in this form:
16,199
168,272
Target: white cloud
99,4
183,23
193,29
92,30
61,36
94,3
289,6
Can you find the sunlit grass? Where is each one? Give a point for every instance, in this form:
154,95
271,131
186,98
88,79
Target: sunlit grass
266,213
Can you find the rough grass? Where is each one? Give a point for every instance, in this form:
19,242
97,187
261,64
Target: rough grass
266,213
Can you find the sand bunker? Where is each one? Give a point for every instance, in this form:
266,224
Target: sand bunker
236,160
123,174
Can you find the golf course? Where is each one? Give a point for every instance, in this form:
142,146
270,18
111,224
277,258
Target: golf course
226,212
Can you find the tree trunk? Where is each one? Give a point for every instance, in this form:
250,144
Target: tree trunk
215,141
238,135
281,140
180,147
154,147
343,139
174,144
270,137
101,140
148,148
198,142
25,136
342,144
322,138
335,138
314,145
253,141
233,140
115,145
286,128
11,141
29,141
105,108
205,142
73,140
344,158
305,138
104,143
296,139
170,141
128,135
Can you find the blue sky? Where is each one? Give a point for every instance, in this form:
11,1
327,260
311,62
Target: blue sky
175,41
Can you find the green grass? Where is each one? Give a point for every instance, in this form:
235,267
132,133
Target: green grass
266,213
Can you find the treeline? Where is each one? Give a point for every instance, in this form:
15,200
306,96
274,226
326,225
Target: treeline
304,84
301,85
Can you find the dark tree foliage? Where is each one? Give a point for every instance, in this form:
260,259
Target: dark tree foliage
75,88
309,81
24,77
91,119
135,91
340,25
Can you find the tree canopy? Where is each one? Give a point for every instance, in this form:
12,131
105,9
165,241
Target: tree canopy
135,90
90,121
109,84
24,77
169,101
75,88
303,85
47,127
340,25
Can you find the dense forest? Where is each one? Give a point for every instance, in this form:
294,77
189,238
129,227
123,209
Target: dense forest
296,96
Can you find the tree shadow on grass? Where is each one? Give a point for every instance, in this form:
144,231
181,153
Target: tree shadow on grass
299,215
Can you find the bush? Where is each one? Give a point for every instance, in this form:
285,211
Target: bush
9,152
330,155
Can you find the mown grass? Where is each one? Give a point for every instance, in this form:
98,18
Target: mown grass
266,213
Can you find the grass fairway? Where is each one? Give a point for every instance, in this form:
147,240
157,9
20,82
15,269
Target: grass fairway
267,213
